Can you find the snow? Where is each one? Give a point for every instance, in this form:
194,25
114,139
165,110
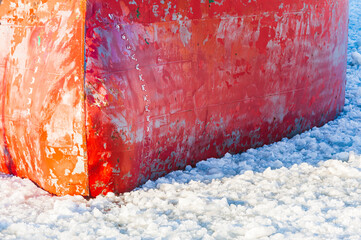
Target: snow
307,187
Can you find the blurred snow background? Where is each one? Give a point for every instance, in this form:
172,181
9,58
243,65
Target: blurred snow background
307,187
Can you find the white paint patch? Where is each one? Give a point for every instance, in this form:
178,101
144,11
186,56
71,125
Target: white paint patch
185,33
49,151
139,136
155,10
80,166
54,179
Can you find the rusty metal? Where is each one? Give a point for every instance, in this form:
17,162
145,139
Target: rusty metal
100,96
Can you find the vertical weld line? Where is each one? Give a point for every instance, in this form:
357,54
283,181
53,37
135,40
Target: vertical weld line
7,157
3,114
85,129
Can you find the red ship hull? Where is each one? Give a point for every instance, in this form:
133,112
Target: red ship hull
103,96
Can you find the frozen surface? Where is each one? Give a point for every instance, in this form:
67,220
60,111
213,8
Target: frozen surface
307,187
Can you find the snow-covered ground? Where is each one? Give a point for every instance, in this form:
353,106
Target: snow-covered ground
307,187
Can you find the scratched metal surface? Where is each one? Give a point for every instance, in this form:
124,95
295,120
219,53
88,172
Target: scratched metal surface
169,83
42,131
99,96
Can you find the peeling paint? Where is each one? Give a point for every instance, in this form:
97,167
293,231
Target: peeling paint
166,84
43,111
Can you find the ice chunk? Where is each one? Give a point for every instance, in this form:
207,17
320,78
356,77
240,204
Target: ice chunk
356,58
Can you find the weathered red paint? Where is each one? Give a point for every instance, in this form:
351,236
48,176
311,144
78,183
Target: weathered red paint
100,96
